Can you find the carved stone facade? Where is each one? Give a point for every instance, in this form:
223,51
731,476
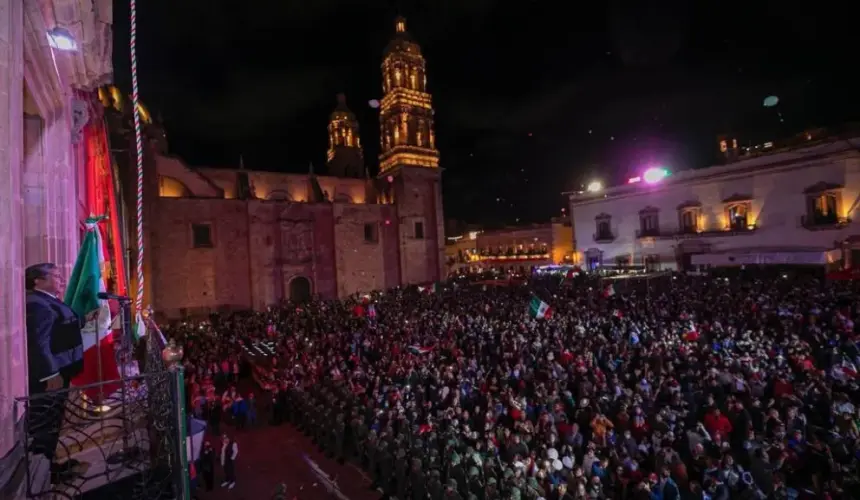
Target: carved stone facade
257,248
238,239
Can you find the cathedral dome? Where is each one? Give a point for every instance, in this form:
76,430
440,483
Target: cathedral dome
342,111
402,41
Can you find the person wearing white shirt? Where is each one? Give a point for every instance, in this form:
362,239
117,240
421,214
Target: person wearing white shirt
229,452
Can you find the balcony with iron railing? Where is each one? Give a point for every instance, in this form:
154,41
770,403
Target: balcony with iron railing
127,439
514,253
604,237
823,222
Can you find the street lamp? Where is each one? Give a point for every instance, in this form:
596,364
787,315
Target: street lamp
61,39
594,187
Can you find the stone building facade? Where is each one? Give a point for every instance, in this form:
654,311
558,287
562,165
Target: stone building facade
236,239
796,205
49,51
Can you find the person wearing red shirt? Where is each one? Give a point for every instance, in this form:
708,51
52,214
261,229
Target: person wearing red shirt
717,422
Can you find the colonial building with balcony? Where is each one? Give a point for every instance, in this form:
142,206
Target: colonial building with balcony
53,53
514,249
792,207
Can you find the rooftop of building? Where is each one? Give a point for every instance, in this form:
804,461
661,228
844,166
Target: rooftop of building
807,146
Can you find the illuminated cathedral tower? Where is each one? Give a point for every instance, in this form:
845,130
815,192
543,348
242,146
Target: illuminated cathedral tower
409,161
345,157
406,110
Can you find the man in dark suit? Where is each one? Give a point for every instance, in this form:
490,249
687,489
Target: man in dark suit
54,356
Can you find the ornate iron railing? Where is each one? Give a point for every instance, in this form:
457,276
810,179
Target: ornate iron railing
133,442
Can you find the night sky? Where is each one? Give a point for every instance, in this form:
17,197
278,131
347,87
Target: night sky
530,100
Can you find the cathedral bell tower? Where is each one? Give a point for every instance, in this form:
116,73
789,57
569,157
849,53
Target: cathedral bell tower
345,157
406,110
409,160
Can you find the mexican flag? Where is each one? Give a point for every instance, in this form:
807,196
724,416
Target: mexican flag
429,289
139,327
417,349
86,282
539,309
609,291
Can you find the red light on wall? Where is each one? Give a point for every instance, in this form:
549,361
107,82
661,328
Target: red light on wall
387,222
390,178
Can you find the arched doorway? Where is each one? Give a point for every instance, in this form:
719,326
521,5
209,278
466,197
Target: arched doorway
300,289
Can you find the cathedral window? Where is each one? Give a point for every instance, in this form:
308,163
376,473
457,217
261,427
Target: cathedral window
418,230
201,235
413,81
397,77
371,233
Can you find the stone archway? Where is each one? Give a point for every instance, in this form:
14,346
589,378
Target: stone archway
300,289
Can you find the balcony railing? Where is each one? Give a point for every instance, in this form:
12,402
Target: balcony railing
604,237
823,222
648,233
130,444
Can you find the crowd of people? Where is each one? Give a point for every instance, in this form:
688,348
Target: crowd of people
672,387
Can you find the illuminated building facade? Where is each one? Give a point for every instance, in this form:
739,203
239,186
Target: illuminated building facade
52,55
793,206
237,239
344,157
512,250
406,110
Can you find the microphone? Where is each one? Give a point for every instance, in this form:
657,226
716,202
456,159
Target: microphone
110,296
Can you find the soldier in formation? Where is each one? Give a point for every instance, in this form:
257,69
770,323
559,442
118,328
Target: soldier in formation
403,459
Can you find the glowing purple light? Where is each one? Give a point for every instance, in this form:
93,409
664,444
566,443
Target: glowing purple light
654,175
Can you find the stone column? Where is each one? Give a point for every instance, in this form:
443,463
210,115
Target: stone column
36,192
13,367
60,204
50,217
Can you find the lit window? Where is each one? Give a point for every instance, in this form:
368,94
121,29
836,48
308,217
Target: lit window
738,216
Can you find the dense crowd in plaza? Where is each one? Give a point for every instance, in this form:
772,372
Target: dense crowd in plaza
673,387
